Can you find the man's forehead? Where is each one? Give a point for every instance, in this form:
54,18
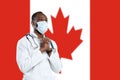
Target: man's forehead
40,16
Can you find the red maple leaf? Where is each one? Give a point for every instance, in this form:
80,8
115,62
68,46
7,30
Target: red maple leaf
66,42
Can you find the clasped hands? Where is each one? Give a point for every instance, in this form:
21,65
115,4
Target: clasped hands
45,46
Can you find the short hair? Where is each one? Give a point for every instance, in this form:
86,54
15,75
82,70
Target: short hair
35,15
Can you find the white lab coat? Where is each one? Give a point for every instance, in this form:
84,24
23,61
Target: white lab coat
34,64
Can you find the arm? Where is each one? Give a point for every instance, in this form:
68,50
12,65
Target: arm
54,60
24,61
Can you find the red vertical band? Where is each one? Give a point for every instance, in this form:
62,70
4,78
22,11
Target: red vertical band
14,23
105,40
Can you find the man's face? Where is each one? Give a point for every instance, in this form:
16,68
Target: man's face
40,17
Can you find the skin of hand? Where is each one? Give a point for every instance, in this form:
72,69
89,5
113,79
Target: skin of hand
45,46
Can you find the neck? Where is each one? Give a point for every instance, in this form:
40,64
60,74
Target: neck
38,34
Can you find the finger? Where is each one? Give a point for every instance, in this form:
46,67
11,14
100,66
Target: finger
47,39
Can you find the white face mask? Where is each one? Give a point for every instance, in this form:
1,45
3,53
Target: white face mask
42,26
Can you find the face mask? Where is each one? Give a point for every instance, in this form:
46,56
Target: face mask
42,27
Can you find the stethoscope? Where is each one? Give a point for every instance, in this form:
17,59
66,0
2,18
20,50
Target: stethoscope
28,36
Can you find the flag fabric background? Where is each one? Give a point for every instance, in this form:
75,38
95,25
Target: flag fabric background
79,66
104,38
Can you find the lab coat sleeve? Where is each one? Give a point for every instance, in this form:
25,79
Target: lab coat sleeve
24,61
54,60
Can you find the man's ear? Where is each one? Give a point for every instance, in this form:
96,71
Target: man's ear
32,22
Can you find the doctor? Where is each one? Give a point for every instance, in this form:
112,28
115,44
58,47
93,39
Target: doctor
37,55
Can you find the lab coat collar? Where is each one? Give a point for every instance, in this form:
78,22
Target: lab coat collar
33,34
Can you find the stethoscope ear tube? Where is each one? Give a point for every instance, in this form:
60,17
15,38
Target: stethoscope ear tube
31,42
51,44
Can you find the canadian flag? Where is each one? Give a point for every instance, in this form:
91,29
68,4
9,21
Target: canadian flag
69,26
90,47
